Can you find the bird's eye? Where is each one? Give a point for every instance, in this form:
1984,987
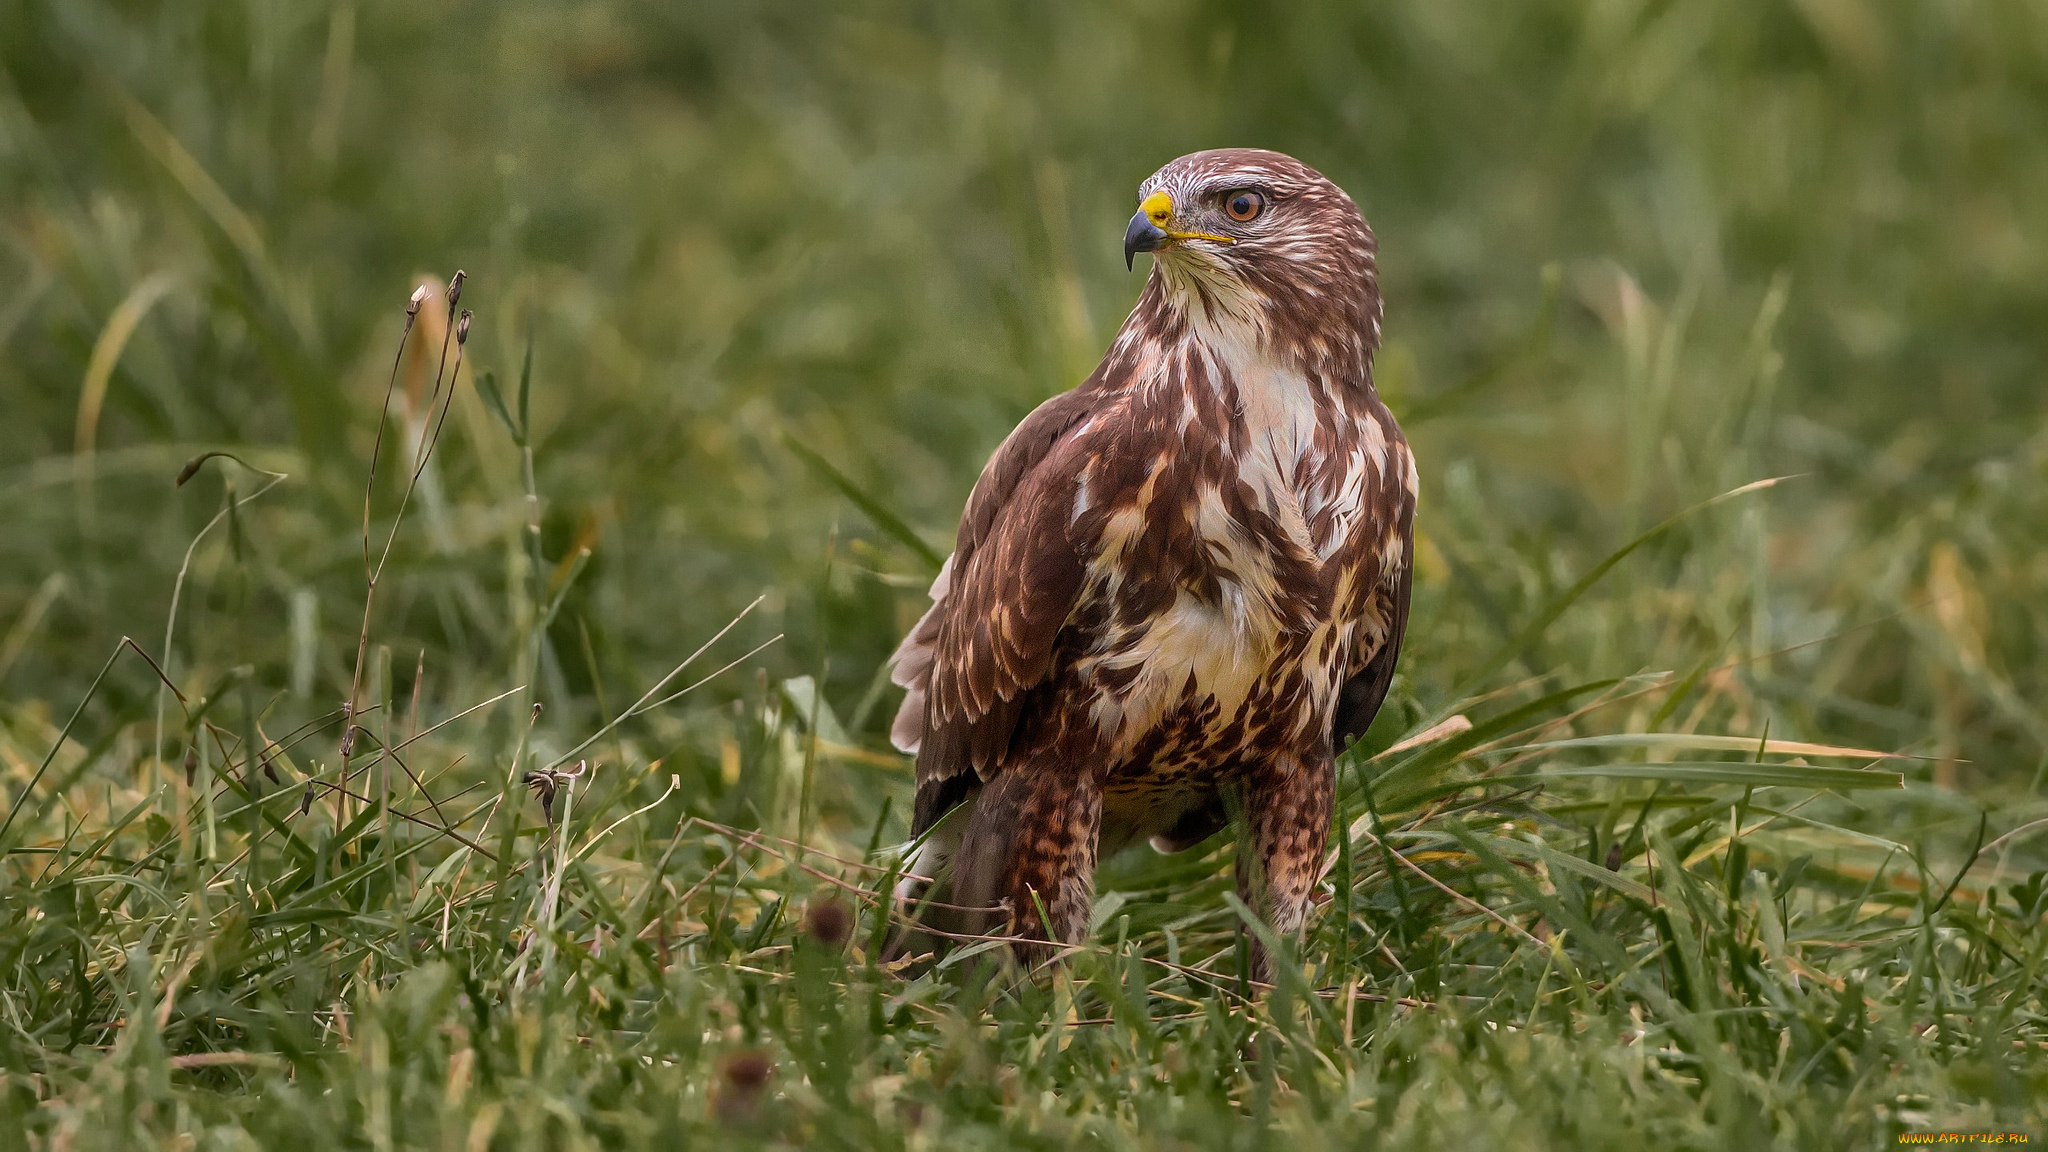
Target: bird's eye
1244,205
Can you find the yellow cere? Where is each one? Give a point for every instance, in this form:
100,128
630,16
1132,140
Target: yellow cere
1158,208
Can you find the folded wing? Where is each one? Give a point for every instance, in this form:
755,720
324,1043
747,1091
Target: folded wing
997,607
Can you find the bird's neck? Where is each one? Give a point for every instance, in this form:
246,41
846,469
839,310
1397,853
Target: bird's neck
1330,340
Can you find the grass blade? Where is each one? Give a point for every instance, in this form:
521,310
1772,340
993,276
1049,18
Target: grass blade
884,519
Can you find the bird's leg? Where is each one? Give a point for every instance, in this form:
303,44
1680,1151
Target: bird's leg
1031,849
1287,803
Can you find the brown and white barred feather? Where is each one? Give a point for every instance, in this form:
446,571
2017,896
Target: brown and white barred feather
1180,586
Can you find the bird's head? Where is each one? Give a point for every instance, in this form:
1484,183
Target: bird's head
1247,237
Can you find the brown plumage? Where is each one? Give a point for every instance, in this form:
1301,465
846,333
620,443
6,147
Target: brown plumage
1179,589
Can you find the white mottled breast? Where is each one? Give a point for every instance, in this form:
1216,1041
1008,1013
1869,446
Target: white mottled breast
1279,413
1223,649
1193,648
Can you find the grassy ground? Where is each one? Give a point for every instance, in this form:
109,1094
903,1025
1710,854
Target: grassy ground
1629,859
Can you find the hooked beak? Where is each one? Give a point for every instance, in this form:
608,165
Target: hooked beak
1151,229
1142,236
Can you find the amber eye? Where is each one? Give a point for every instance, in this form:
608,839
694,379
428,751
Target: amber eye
1244,205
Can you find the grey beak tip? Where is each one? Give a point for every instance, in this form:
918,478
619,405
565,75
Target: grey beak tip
1141,236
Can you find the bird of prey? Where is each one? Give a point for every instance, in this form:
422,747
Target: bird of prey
1178,590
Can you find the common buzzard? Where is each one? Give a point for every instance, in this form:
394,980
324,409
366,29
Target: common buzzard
1179,589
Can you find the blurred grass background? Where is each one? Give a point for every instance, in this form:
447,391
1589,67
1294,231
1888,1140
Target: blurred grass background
1785,238
1634,254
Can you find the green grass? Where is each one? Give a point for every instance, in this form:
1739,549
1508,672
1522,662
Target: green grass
756,290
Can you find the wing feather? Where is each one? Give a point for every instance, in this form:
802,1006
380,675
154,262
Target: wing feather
1366,691
997,606
1363,694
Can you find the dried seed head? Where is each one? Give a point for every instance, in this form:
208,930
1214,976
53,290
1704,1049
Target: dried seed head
419,297
828,922
455,289
742,1082
543,785
462,328
747,1071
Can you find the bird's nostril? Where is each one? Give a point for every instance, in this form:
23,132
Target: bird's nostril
1158,208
